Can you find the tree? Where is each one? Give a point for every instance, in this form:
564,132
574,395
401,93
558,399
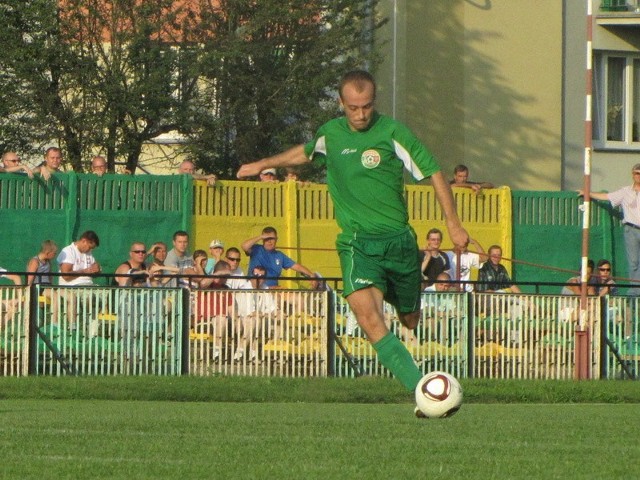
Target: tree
98,74
270,74
238,78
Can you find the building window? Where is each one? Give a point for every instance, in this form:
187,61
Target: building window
616,101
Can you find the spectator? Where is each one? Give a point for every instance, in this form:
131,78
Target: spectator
134,267
253,310
493,276
214,307
52,162
573,286
179,258
216,249
627,198
461,179
12,163
268,175
200,260
188,168
98,165
233,257
159,254
292,175
440,311
40,265
468,260
267,256
435,261
605,285
78,258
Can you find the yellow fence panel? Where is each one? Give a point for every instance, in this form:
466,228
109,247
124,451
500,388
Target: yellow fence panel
233,211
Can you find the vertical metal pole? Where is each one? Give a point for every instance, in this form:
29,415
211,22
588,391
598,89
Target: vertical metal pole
471,334
582,334
186,320
331,332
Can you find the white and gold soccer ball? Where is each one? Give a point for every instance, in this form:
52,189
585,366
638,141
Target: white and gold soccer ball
438,395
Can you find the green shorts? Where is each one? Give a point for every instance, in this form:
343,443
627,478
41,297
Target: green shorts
390,263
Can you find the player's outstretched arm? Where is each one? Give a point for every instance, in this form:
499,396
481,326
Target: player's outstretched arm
289,158
457,233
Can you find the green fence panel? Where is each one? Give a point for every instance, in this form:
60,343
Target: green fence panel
121,209
547,237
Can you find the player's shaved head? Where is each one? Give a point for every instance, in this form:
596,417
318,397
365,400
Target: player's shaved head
360,79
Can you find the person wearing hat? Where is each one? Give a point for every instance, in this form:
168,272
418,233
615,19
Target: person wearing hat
268,175
216,247
628,198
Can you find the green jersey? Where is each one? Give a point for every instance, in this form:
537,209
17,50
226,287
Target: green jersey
365,172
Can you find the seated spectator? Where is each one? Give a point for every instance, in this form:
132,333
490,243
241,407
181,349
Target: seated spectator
188,168
179,258
435,260
440,311
12,163
216,249
468,260
78,258
98,165
573,286
268,175
493,276
461,179
254,309
200,260
214,308
135,268
605,285
158,253
40,265
268,257
233,258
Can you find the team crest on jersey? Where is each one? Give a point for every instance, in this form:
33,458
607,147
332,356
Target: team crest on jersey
370,159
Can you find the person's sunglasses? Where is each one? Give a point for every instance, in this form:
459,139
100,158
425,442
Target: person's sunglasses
233,259
604,269
138,251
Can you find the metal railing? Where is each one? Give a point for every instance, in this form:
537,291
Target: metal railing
300,333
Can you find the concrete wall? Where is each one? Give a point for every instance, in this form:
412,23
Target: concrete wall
480,83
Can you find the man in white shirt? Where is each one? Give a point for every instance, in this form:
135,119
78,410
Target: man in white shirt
468,260
78,258
628,198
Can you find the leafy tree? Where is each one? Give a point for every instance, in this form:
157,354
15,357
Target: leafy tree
240,79
270,74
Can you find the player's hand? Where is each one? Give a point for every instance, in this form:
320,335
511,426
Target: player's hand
249,170
458,235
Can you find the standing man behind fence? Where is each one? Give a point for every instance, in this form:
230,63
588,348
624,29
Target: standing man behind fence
365,154
628,198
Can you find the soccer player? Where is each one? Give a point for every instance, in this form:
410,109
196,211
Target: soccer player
365,153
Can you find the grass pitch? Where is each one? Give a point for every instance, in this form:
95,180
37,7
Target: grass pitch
148,428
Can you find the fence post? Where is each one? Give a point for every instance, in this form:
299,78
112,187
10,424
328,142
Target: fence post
31,331
471,334
331,332
186,322
604,364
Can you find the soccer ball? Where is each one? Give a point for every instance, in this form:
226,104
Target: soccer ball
438,395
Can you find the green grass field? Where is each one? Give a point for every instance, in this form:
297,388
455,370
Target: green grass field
271,428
